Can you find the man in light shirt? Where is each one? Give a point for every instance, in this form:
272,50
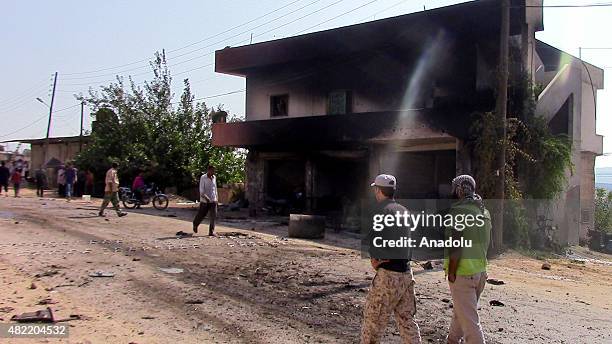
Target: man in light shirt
111,190
208,201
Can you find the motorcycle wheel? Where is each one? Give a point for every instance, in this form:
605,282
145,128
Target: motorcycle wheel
160,202
129,204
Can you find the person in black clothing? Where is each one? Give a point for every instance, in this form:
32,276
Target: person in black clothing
4,178
392,289
41,182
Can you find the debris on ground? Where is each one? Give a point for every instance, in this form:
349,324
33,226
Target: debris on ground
72,317
101,274
427,265
182,234
494,281
46,273
194,302
45,315
47,301
6,309
546,266
172,270
33,286
496,303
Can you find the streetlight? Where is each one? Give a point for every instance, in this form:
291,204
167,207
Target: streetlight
42,101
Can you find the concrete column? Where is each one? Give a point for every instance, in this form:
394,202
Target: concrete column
463,160
374,162
309,184
254,182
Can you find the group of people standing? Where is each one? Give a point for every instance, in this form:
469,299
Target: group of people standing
7,177
72,182
393,287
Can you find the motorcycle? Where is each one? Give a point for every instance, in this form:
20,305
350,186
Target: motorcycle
149,194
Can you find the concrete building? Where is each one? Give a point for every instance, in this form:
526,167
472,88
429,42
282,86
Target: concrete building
327,111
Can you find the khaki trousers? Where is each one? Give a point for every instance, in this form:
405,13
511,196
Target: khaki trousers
465,292
391,292
113,198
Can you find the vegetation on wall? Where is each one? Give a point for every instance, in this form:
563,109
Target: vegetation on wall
140,127
536,160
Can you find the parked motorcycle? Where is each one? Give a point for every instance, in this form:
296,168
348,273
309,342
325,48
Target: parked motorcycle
150,194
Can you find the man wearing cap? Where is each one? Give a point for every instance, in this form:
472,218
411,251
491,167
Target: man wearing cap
392,289
466,266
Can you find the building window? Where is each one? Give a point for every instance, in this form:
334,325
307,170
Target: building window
339,102
586,216
279,105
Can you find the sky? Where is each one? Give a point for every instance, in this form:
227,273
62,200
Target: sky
88,43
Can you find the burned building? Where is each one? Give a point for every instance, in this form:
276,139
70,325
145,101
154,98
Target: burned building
327,111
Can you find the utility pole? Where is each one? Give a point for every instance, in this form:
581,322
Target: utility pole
81,131
500,109
46,153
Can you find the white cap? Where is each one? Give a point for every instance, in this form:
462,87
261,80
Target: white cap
385,180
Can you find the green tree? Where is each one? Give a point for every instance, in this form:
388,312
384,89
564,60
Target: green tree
603,210
140,127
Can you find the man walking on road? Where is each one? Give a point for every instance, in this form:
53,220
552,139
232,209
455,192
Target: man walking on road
111,190
208,201
392,289
71,177
466,266
4,178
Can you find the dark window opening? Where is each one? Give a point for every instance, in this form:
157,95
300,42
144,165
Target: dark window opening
339,103
279,105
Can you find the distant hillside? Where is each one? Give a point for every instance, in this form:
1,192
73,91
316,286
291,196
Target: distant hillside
603,177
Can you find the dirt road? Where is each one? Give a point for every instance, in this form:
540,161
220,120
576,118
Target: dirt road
251,285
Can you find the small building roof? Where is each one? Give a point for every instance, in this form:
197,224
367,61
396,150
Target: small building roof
59,139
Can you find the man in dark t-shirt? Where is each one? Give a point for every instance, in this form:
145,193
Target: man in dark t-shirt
4,178
392,289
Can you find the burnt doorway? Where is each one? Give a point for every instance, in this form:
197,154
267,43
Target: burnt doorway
339,186
285,185
422,174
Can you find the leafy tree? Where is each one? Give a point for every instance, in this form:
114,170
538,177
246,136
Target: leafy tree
140,127
603,210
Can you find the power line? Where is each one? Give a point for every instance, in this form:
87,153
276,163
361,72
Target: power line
37,85
23,128
383,10
190,44
565,6
213,51
291,78
24,99
201,48
338,16
221,41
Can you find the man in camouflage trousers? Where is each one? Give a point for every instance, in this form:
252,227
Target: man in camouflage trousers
392,289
